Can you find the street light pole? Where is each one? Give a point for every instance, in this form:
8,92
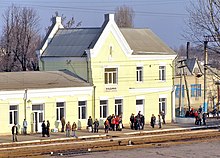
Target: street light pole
205,104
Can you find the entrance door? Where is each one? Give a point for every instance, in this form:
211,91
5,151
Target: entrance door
140,106
38,117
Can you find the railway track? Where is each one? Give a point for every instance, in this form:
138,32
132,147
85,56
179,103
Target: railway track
114,142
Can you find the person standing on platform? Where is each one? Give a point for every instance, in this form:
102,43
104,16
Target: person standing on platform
48,128
89,124
14,133
163,117
96,126
68,128
43,125
25,127
152,121
159,121
63,123
74,128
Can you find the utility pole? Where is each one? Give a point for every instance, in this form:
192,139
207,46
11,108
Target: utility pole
205,104
180,94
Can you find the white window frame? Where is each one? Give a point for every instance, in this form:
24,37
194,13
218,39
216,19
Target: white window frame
82,105
163,105
162,73
117,105
102,105
13,119
58,110
111,75
139,73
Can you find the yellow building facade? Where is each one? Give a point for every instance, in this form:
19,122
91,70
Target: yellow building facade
131,70
39,96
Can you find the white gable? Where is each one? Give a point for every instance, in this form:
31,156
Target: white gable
112,27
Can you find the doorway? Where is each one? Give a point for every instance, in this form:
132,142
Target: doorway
37,117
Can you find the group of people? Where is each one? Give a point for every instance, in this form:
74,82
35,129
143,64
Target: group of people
93,126
137,122
68,128
159,121
112,122
200,116
45,128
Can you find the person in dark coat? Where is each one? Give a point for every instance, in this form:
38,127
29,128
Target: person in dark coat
43,125
48,128
142,122
204,116
14,131
159,121
132,121
89,123
109,118
96,126
153,121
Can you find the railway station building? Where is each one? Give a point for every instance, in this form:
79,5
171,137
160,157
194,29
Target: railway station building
41,95
130,69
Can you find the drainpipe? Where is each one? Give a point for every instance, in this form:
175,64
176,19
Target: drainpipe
173,107
94,87
25,103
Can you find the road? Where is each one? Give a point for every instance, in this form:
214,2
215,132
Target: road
194,150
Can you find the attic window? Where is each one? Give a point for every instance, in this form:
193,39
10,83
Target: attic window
110,51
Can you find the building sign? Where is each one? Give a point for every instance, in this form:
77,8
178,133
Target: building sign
111,88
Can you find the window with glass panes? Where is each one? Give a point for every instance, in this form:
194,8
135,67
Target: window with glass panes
162,105
82,110
196,90
118,106
139,73
60,110
103,108
177,92
13,114
111,75
162,73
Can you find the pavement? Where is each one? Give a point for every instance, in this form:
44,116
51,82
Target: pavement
34,137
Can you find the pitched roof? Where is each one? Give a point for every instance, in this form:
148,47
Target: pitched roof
145,42
192,66
39,80
71,42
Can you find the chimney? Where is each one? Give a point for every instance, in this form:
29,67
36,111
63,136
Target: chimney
187,50
56,20
109,17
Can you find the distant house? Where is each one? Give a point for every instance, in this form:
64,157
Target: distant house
193,84
131,70
38,96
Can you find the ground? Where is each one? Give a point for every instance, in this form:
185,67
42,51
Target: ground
194,150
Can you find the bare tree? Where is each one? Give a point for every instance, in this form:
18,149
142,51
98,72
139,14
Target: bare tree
19,39
67,23
204,21
124,16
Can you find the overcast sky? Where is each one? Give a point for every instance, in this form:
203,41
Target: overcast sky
164,17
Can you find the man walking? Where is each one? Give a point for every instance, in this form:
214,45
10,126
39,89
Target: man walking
14,133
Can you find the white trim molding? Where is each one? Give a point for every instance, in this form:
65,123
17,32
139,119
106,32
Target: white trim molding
149,90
